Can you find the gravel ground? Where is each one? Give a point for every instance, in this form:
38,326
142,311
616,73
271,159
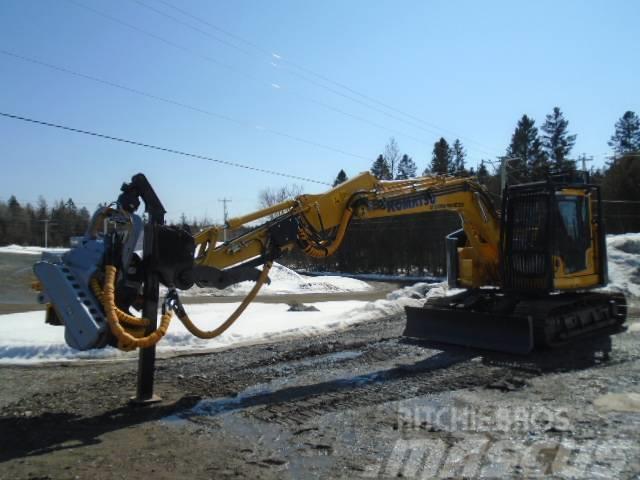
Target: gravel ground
359,403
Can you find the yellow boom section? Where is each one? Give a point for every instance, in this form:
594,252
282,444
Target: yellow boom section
322,220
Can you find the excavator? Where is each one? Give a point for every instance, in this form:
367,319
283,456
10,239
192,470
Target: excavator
528,272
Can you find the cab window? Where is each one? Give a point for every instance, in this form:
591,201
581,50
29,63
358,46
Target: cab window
573,231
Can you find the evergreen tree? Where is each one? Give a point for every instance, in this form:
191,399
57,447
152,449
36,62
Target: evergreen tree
4,223
406,168
392,155
18,223
441,157
483,173
622,179
527,161
42,210
458,156
557,142
380,169
626,138
341,178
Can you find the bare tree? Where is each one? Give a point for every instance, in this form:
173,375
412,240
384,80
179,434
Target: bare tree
392,155
272,196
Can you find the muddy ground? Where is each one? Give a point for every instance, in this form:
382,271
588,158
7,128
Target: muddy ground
359,403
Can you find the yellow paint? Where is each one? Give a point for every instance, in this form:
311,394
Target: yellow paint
365,197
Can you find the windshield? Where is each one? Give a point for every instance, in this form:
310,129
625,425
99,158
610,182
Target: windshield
573,231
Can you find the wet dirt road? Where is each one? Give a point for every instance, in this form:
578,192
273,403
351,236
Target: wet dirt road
360,403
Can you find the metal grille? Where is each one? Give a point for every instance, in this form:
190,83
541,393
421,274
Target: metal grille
526,241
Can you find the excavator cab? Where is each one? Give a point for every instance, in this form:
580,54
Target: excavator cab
552,238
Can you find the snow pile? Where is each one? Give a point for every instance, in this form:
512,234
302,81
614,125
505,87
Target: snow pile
412,296
286,281
30,250
283,280
378,277
624,264
24,338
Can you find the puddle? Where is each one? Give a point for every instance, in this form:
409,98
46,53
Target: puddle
276,391
326,359
618,402
292,388
334,357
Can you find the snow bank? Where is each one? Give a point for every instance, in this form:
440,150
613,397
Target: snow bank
286,281
30,250
624,264
378,277
283,280
24,337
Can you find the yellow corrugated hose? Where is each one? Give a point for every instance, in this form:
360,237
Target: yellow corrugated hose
129,341
124,317
189,325
126,341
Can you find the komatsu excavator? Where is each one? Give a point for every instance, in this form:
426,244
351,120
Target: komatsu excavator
528,272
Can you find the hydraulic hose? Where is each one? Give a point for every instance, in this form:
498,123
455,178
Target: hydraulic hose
320,250
174,302
123,316
126,341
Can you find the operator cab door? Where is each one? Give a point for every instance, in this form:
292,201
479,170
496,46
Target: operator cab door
576,228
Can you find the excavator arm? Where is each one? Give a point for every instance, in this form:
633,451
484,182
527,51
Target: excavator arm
317,224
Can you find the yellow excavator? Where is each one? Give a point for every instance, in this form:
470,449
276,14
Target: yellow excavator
527,272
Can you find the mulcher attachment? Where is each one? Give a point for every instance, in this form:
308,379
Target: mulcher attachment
496,321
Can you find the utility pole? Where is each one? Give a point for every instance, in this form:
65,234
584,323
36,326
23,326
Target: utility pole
504,161
47,222
584,159
224,202
503,174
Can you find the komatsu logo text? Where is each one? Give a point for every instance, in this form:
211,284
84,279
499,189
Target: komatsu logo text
406,203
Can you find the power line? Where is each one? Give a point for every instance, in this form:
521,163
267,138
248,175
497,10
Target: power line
243,123
177,20
435,129
162,149
245,74
324,78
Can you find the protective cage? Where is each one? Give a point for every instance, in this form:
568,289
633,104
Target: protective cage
537,223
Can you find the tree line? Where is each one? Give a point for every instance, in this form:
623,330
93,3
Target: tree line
25,224
531,155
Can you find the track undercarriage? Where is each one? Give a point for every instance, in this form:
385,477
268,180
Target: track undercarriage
511,323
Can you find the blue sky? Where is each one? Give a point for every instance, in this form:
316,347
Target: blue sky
463,69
